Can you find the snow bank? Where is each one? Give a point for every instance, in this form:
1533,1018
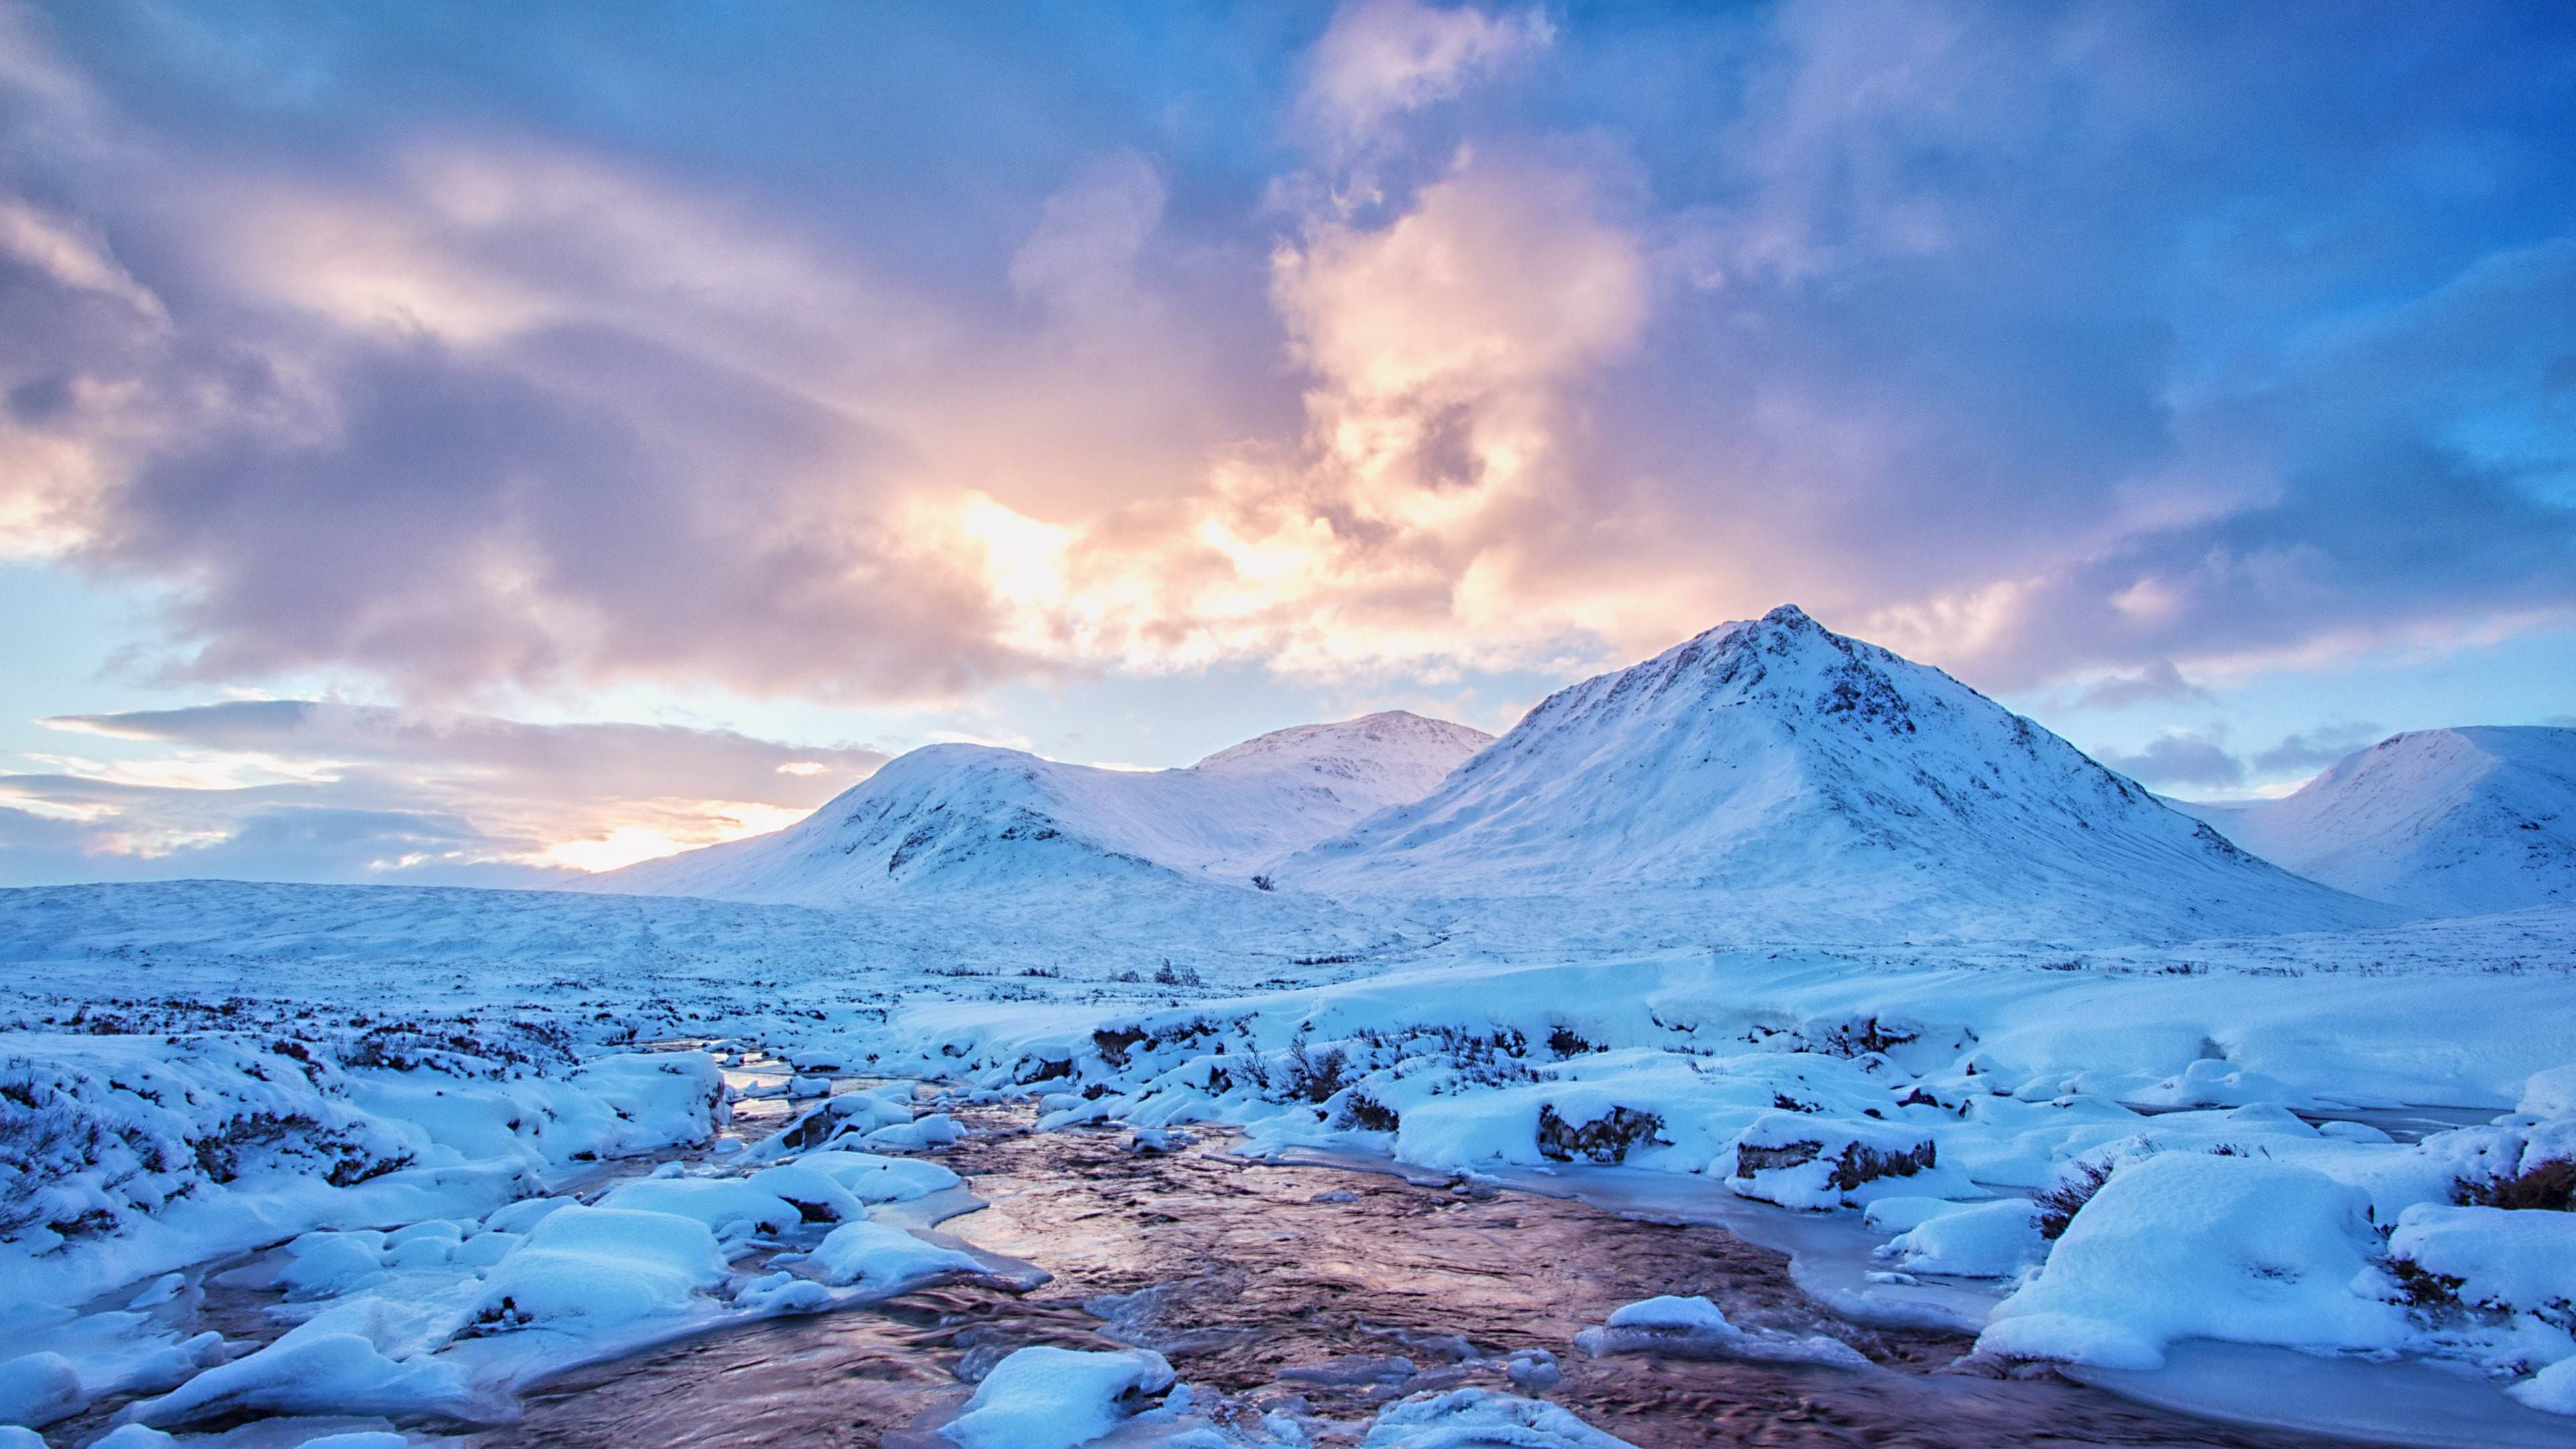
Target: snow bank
1803,1161
143,1154
1056,1398
2190,1245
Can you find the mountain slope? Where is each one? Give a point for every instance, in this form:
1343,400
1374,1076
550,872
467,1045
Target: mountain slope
972,817
1780,776
2442,822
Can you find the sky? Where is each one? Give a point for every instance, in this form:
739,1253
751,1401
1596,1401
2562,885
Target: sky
467,444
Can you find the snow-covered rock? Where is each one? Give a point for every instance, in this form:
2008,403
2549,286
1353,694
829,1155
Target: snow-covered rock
1971,1240
2442,822
883,1257
973,817
1056,1398
2191,1245
605,1266
1781,777
1801,1160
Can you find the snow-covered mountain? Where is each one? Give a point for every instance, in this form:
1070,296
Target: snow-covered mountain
975,817
2442,822
1778,775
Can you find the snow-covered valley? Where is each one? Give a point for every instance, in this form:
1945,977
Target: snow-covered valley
2017,1072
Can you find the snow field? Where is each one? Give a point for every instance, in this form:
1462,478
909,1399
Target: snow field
1995,1143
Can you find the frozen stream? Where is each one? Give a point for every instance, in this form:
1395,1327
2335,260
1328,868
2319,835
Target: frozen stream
1333,1288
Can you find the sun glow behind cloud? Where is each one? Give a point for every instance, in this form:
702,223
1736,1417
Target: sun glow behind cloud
1443,344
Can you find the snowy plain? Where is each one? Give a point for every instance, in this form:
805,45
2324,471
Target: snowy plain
1777,930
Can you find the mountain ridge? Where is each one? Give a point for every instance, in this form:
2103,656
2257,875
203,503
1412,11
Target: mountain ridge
1776,769
959,816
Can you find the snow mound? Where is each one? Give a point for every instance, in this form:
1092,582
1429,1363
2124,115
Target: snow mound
2451,822
973,817
606,1266
1055,1398
2191,1245
885,1258
1970,1240
1784,777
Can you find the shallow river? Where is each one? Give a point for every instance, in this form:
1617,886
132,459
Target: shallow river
1340,1288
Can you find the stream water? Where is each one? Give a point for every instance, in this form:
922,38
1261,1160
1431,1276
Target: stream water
1324,1289
1329,1287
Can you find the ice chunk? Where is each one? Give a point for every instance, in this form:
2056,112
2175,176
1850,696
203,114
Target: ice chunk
605,1266
782,1293
1476,1418
1696,1328
1055,1398
882,1256
38,1388
2187,1244
134,1436
18,1436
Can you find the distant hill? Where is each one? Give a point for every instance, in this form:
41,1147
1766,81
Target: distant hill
2442,822
972,817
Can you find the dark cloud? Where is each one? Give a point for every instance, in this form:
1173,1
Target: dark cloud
2179,760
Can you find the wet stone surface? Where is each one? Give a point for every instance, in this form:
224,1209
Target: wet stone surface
1339,1289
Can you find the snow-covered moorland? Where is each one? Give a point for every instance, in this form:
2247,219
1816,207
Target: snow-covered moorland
1777,931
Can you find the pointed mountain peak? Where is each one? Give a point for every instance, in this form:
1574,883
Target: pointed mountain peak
1790,616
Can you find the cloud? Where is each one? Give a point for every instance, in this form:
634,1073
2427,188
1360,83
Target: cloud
1381,58
2316,748
2179,759
317,790
2138,346
2159,682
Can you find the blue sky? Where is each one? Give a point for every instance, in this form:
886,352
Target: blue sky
626,426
